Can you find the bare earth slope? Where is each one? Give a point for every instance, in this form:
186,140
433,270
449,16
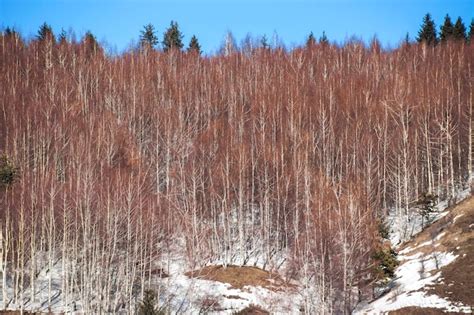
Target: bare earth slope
436,273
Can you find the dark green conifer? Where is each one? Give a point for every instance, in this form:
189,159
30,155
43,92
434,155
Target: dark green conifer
407,41
194,45
91,44
8,172
172,38
62,37
427,33
447,29
264,42
147,305
148,37
45,32
459,30
311,41
323,40
470,36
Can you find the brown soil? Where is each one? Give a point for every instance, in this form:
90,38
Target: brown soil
238,277
457,283
18,313
419,311
252,310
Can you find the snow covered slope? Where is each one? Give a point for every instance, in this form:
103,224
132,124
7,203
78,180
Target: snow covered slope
436,268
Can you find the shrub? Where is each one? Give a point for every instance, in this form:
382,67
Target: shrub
384,230
427,203
387,262
148,305
8,172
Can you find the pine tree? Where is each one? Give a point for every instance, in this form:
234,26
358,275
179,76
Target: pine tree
459,31
45,32
172,38
311,41
323,40
91,44
447,29
8,172
407,41
427,32
264,42
194,45
62,37
426,203
147,305
148,37
470,37
10,32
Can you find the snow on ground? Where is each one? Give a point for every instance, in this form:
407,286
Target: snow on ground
46,297
178,293
418,269
187,295
403,227
415,273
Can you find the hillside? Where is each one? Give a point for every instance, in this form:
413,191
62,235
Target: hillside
436,273
148,170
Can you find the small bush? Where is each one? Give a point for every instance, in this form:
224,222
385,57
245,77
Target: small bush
8,172
384,230
427,203
148,305
387,262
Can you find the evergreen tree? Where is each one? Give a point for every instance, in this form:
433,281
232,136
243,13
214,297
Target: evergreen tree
8,172
62,37
387,263
323,40
264,42
427,205
447,29
470,35
147,306
8,31
91,44
407,41
427,32
194,45
172,38
311,40
45,32
459,31
148,37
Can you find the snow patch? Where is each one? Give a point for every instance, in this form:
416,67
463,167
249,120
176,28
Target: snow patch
415,273
404,226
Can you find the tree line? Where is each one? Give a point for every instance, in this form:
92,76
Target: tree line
173,37
448,31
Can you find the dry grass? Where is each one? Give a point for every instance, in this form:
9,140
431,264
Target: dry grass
252,310
419,311
238,277
18,313
458,277
458,283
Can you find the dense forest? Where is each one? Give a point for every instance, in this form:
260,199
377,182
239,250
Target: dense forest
258,152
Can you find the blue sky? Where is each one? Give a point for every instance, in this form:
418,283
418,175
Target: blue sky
119,22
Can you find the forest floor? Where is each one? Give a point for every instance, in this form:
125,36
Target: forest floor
436,272
435,276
